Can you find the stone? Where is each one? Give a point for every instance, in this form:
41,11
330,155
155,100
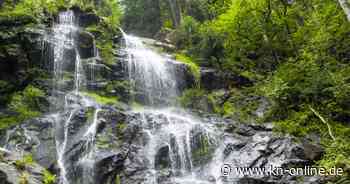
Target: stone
162,159
10,174
86,44
85,18
212,79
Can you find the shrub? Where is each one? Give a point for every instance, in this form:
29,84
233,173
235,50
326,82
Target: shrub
191,64
27,160
26,104
49,178
104,100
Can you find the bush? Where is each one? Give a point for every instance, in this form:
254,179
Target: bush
27,160
192,98
49,178
103,100
192,66
26,104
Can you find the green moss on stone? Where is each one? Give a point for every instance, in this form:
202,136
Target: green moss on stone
101,99
191,64
49,178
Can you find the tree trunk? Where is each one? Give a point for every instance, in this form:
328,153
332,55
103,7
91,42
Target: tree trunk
175,12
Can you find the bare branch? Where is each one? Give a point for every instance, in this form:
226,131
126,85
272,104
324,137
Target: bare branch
323,121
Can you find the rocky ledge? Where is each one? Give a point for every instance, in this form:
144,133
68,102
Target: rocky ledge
121,137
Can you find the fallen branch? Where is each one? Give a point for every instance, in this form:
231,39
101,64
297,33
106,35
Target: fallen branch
323,121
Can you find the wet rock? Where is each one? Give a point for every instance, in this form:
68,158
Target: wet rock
213,79
12,174
88,19
309,151
162,159
85,43
202,147
261,148
185,78
35,136
107,165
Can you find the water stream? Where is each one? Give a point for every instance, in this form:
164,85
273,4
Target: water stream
63,41
176,141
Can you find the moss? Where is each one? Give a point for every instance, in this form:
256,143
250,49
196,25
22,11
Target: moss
27,160
191,97
121,87
90,113
103,100
104,34
24,178
26,104
117,179
106,51
203,152
49,178
137,106
191,64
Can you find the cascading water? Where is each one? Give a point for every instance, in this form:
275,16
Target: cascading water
63,41
149,73
175,140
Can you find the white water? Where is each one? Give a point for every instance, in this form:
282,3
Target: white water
63,39
166,126
149,72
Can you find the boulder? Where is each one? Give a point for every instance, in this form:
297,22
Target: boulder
212,79
10,173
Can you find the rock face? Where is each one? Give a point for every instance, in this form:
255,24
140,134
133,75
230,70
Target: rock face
256,146
212,79
20,54
126,144
35,136
12,173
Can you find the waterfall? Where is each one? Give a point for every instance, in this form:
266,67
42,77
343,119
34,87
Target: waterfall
63,40
174,139
149,73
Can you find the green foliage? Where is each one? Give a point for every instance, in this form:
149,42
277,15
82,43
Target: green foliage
117,179
203,150
27,104
49,178
31,8
5,89
24,178
104,32
206,10
27,160
296,51
110,12
192,98
143,17
104,100
191,64
120,128
186,33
